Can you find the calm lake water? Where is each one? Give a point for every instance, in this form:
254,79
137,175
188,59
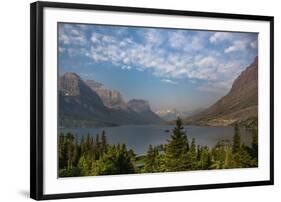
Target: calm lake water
138,137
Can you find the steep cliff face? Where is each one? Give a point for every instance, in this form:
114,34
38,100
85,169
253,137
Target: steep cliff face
81,106
142,107
239,105
110,98
139,105
78,102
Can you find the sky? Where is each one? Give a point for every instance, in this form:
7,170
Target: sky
171,68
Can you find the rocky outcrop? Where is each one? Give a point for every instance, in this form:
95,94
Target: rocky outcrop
110,98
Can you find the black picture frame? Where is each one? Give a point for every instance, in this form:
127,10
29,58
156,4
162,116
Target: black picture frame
36,99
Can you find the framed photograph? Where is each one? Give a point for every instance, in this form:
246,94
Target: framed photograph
131,100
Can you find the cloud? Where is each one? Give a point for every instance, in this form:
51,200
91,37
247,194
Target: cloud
177,39
168,66
220,36
188,43
152,37
169,81
254,44
169,55
208,61
69,34
238,45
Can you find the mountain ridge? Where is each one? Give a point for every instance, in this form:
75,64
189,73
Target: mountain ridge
81,106
110,98
239,105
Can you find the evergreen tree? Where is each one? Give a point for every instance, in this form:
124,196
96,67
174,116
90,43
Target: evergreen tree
255,152
103,142
229,159
152,163
98,146
176,149
236,139
243,159
219,154
70,149
192,156
97,157
76,152
84,166
205,160
62,151
199,151
116,160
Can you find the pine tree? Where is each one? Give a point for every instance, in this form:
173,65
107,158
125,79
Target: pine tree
176,149
192,156
76,152
255,152
236,139
219,154
83,146
205,160
98,146
116,160
62,151
70,149
103,142
229,160
84,166
243,159
152,160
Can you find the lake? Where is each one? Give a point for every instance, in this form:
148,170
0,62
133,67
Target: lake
138,137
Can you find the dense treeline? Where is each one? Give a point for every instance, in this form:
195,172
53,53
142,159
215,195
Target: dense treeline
94,156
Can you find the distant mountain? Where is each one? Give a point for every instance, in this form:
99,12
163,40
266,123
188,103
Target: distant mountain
78,102
110,98
168,114
172,114
143,109
239,105
81,106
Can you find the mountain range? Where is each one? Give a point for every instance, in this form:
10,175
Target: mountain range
172,114
239,105
89,103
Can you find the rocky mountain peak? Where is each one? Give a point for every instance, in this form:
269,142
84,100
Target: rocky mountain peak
139,105
110,98
69,84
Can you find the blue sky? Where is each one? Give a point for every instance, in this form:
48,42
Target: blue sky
171,68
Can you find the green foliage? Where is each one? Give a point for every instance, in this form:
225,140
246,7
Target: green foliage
254,151
152,161
205,159
73,172
84,165
229,160
176,149
94,156
219,153
236,139
191,156
243,159
116,160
